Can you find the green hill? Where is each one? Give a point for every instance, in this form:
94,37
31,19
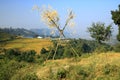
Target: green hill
18,32
5,36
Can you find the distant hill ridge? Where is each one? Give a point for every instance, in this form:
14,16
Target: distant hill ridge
18,32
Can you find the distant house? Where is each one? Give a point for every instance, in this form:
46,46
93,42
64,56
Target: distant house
39,37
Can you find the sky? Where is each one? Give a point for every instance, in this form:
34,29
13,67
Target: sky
19,13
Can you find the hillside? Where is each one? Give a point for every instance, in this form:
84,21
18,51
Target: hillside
103,66
24,44
47,32
89,66
5,36
18,32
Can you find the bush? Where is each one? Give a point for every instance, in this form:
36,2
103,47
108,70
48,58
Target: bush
68,53
30,77
110,69
12,53
8,69
59,52
43,51
61,73
103,48
117,47
82,72
28,56
80,46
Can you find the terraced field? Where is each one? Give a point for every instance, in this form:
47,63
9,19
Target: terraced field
27,44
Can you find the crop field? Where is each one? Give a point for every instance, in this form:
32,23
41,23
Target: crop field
27,44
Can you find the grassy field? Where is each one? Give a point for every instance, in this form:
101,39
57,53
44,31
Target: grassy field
103,66
27,44
94,64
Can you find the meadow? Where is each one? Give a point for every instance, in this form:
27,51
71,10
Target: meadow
24,44
103,66
31,65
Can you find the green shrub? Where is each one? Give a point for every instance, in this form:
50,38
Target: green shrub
12,53
59,53
117,47
82,72
61,73
103,48
43,51
2,56
28,56
31,76
8,69
68,53
40,59
110,69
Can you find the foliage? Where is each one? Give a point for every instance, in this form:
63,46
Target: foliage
68,52
100,32
110,69
116,18
103,48
30,77
61,73
117,47
86,46
43,51
81,46
88,68
6,36
20,56
8,69
28,56
12,53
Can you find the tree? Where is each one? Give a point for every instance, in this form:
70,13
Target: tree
116,18
100,32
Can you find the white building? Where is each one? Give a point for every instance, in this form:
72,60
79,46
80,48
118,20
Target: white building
39,37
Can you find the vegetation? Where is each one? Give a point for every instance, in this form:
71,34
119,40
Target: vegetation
27,65
17,65
100,32
18,32
116,18
81,46
24,44
75,59
5,36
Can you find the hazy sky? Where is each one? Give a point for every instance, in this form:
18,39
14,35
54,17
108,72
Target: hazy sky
19,13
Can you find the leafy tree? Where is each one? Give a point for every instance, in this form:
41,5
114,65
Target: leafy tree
100,32
116,18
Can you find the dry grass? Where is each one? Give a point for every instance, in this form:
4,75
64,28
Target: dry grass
96,61
28,44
